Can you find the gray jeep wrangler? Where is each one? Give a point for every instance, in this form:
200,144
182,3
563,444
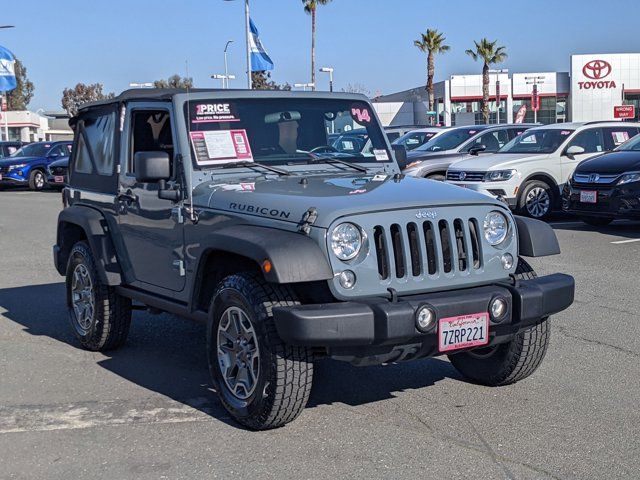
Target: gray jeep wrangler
232,208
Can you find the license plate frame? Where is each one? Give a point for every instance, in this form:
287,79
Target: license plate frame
58,179
589,196
463,331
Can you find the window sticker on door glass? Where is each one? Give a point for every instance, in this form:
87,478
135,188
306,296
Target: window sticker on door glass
620,137
213,113
381,155
565,132
218,147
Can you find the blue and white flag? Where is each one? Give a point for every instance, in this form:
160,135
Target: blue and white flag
259,58
7,70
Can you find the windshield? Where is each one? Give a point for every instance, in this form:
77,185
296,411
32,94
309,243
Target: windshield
32,150
448,140
537,141
632,145
413,140
284,131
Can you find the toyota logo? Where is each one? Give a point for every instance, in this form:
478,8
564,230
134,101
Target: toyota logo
463,175
594,177
596,69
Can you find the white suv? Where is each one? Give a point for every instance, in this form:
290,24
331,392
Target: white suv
530,171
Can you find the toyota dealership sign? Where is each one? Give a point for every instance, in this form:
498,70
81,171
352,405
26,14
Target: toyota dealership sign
596,73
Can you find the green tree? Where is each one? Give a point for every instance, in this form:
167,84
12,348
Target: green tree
310,7
19,97
490,54
261,80
174,81
72,98
431,43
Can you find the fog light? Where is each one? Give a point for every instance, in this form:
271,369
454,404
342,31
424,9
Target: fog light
347,279
498,308
425,318
507,261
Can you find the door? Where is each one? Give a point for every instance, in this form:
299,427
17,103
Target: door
593,143
152,233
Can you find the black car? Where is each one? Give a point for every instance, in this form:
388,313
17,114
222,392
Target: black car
606,187
57,173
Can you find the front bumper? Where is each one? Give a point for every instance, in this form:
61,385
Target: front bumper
56,180
12,178
505,191
621,201
346,327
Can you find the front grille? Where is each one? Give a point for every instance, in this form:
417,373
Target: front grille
4,170
427,248
464,176
594,178
58,171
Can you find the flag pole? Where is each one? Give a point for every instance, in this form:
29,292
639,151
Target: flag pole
6,125
248,38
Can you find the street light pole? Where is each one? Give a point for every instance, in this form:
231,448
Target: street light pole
329,70
498,72
226,69
534,94
5,101
248,34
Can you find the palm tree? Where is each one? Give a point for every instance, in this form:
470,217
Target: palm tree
490,54
310,7
431,43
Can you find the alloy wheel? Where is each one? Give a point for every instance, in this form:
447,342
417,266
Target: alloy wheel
238,352
39,180
82,297
538,202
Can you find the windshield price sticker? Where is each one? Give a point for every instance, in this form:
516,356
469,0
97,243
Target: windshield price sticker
381,155
620,137
217,147
213,113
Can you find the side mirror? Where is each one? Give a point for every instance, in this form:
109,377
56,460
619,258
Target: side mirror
151,167
476,149
574,150
400,152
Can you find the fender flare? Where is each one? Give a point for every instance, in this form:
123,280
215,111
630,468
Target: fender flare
294,257
97,232
536,238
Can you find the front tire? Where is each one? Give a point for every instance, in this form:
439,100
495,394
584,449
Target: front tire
262,382
536,199
597,221
100,318
509,362
37,180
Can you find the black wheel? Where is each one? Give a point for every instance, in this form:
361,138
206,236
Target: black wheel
597,221
37,180
99,316
508,362
436,176
262,382
536,199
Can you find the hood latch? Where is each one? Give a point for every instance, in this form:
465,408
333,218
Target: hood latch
308,219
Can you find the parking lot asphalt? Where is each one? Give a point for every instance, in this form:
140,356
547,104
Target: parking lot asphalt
146,411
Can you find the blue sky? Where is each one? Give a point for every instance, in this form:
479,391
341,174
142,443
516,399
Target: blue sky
367,41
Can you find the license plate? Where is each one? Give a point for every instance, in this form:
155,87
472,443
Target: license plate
58,179
589,196
463,332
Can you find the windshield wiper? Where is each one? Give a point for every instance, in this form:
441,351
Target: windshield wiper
248,164
341,162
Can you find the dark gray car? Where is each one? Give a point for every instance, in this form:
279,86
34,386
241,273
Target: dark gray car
231,208
432,159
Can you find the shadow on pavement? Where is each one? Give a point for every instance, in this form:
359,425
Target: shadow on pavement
167,355
619,228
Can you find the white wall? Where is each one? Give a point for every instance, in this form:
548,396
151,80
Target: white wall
395,113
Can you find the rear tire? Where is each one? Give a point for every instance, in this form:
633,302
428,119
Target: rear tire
536,200
509,362
597,221
262,382
99,316
37,180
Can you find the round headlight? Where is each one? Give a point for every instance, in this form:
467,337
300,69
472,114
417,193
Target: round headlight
496,228
346,241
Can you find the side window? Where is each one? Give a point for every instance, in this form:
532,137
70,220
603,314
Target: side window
82,162
494,141
58,151
99,133
615,136
590,140
151,131
516,132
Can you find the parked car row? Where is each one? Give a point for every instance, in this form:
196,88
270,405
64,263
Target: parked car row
36,165
531,167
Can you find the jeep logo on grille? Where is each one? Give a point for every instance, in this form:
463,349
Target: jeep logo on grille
594,177
432,214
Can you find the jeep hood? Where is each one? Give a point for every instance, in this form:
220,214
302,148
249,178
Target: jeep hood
289,198
496,161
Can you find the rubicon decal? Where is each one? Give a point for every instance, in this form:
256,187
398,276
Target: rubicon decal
258,210
597,70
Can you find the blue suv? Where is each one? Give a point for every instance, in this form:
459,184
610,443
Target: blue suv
28,165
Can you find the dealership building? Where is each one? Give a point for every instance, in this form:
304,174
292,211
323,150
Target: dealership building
598,87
